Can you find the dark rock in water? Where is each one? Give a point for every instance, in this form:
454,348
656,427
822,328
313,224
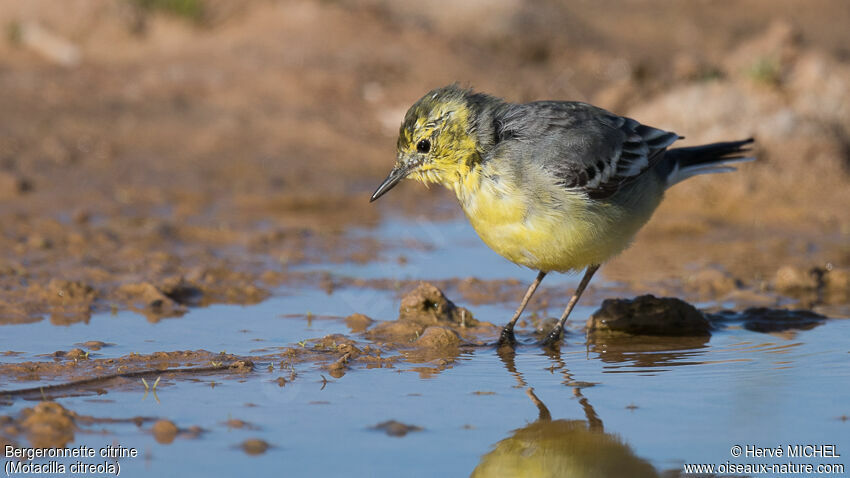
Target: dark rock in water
649,315
762,319
428,305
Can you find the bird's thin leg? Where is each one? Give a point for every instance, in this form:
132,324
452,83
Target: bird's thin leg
555,335
507,337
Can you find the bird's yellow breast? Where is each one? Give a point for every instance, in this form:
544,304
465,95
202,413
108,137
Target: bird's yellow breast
547,227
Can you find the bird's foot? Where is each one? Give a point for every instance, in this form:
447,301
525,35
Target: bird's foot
551,340
507,338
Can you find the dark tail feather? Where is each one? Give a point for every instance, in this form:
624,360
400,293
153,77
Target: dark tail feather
708,158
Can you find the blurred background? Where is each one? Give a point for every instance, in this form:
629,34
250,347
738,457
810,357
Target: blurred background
163,153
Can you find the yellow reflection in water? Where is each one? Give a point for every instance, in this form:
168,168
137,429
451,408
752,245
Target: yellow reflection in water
562,448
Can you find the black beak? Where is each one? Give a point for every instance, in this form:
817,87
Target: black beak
398,173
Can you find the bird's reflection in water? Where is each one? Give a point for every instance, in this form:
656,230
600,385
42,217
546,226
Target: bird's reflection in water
562,448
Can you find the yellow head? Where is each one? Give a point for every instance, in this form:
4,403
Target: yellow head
437,142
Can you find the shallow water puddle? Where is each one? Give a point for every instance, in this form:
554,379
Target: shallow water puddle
232,328
639,406
732,390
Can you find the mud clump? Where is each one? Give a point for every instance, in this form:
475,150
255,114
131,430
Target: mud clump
65,292
836,285
73,354
181,291
436,337
337,343
837,281
254,446
13,185
94,344
164,431
437,344
649,315
47,425
712,282
66,301
237,423
831,284
216,284
395,331
358,322
428,305
151,301
423,307
793,280
395,428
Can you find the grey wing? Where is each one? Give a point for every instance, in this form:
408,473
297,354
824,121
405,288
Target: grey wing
586,148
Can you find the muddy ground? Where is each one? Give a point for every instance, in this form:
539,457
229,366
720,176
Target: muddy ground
157,159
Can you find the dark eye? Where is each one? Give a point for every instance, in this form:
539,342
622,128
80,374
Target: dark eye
423,146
